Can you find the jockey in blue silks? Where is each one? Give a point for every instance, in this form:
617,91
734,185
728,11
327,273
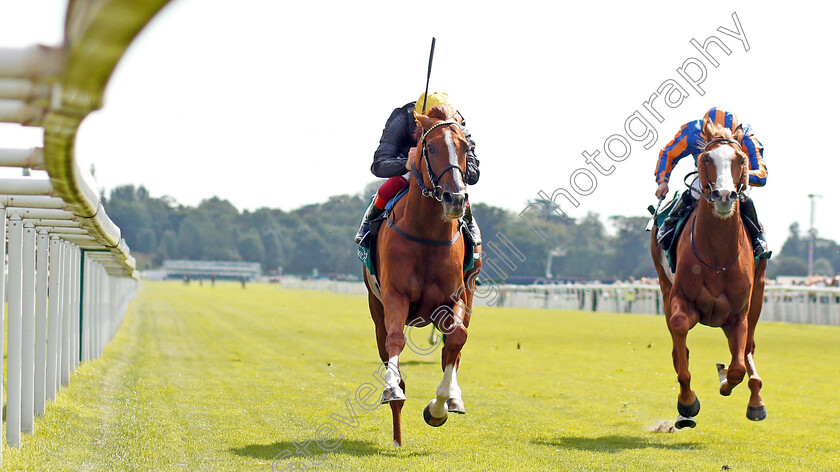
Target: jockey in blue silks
689,140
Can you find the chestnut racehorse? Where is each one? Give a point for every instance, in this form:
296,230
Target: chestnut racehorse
420,265
717,282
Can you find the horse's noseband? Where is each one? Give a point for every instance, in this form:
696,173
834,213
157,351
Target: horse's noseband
436,191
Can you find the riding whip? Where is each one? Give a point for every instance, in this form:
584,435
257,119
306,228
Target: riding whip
429,73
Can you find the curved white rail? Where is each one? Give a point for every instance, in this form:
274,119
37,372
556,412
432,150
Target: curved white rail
70,274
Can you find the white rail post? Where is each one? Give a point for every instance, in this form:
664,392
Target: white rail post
85,307
94,309
41,273
76,306
54,317
15,331
103,309
66,353
2,298
27,412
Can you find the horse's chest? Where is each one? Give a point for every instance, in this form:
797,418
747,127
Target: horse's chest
716,307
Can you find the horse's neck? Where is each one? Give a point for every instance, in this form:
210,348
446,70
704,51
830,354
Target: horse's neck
718,237
423,216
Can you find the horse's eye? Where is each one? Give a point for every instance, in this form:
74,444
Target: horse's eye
430,149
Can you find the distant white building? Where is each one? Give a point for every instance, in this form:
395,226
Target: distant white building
222,270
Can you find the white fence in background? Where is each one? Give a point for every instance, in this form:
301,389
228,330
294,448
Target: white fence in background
70,275
781,303
792,304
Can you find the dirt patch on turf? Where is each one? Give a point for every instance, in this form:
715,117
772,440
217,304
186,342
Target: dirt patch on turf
664,426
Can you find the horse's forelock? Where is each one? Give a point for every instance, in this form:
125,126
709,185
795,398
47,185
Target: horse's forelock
718,132
441,112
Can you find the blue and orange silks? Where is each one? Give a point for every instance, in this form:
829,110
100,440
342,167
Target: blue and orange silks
689,140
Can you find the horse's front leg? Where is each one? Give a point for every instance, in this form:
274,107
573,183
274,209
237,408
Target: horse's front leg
736,333
453,323
396,313
682,319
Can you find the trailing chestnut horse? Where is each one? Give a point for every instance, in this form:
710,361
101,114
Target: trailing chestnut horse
419,261
717,282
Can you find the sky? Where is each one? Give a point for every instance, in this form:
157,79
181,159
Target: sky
281,104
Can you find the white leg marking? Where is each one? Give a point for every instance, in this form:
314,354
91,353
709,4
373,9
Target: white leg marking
444,392
392,373
454,389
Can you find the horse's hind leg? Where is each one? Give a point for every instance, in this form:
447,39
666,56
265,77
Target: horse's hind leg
679,323
756,410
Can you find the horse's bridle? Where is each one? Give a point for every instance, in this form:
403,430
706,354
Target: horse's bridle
707,192
436,191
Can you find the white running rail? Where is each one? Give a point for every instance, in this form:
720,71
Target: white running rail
69,275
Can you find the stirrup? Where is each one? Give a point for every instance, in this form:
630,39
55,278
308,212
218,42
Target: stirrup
664,235
475,233
760,249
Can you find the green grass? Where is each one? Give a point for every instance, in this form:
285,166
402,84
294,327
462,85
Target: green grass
202,378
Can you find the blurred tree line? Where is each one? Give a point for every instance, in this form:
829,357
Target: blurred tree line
320,236
793,257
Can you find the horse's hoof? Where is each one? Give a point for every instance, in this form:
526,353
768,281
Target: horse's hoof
396,444
392,394
756,413
689,411
456,405
685,422
431,420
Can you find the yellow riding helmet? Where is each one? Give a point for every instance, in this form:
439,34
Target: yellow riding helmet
432,100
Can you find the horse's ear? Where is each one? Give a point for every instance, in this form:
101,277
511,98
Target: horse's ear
708,130
739,134
423,120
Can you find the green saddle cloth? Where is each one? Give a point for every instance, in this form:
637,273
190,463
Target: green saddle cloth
366,255
659,218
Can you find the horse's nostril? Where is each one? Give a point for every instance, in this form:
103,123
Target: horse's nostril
733,195
447,197
715,195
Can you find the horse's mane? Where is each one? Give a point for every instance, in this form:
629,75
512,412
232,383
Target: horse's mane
440,112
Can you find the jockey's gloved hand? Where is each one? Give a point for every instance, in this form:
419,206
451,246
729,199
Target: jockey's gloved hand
662,190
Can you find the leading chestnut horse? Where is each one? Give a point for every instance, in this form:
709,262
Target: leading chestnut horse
419,261
717,282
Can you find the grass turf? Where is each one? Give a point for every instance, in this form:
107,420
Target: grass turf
222,378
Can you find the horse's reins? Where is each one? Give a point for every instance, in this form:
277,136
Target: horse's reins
436,192
694,251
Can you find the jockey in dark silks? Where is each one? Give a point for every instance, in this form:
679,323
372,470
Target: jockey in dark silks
397,144
690,141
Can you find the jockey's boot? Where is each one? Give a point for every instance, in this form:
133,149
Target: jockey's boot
472,227
370,214
754,228
665,234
